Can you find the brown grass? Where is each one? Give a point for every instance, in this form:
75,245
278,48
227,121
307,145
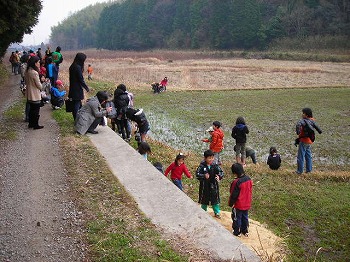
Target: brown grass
197,71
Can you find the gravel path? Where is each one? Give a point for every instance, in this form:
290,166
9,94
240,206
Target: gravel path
38,220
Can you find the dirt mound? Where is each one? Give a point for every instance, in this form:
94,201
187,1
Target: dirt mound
261,240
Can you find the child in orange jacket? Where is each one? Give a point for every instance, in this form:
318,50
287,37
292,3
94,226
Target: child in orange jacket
216,141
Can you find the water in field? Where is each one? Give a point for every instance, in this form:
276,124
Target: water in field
185,137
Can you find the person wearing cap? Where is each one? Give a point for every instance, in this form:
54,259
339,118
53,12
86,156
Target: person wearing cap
57,95
240,200
216,140
176,169
91,113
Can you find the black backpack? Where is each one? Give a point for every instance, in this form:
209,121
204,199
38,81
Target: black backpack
309,131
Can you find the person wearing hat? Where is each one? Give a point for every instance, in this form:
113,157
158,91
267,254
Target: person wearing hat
176,169
216,140
90,115
240,200
57,95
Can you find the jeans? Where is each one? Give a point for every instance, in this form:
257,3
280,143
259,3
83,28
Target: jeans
178,183
304,152
240,222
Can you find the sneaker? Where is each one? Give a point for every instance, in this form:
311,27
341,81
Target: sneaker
92,132
57,107
239,235
217,216
246,234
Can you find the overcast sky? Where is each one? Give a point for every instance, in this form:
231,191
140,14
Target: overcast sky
52,13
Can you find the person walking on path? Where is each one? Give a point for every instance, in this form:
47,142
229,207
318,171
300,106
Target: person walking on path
77,83
306,136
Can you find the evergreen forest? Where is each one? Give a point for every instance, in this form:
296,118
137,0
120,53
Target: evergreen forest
202,24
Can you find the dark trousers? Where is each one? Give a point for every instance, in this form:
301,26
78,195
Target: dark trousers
240,223
94,124
76,107
33,115
123,128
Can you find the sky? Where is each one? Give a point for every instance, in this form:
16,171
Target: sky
51,14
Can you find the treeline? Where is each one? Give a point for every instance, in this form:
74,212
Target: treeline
17,19
195,24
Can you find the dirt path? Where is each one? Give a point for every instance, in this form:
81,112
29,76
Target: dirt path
261,240
38,220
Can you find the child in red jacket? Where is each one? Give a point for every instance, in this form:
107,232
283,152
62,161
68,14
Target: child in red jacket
177,168
240,200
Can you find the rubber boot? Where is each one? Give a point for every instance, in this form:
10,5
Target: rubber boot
36,123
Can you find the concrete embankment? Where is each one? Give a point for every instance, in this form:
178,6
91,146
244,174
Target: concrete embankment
163,203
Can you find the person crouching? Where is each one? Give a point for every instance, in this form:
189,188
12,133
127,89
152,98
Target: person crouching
91,114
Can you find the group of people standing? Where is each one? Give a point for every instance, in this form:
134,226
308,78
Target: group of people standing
35,71
209,172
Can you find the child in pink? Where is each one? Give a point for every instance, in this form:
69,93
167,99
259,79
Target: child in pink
177,168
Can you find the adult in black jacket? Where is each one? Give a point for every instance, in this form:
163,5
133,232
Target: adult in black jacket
121,103
76,82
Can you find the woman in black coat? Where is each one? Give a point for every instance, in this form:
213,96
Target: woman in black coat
76,82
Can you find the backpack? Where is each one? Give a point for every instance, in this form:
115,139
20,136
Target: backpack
308,131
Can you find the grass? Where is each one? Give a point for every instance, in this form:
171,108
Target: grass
11,116
116,229
309,211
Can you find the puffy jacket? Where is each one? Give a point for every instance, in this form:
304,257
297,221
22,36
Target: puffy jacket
241,193
217,141
239,133
121,101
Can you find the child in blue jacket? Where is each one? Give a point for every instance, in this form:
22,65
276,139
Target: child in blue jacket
57,95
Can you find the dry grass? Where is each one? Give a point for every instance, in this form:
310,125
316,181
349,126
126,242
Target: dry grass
186,71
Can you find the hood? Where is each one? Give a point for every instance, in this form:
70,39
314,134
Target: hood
240,126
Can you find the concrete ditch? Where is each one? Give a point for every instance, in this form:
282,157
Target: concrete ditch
163,203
